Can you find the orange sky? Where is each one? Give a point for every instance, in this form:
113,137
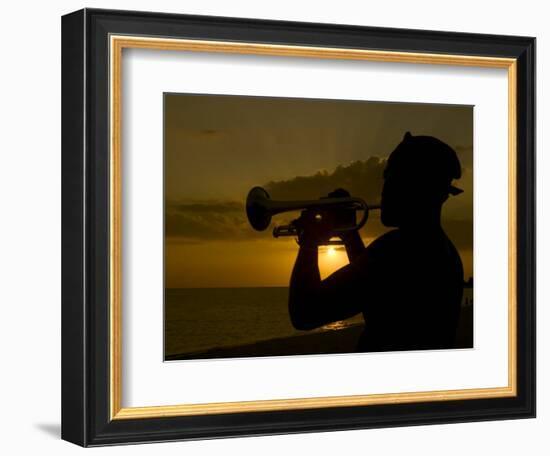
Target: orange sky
218,147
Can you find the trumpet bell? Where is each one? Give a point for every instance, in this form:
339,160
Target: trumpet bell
257,211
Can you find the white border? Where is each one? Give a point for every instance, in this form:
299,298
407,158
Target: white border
149,381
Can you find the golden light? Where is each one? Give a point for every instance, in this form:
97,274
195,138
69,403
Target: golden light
331,259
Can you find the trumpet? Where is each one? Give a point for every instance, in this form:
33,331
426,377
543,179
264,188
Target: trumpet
260,209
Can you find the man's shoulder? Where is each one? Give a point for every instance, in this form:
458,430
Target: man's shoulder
381,249
390,238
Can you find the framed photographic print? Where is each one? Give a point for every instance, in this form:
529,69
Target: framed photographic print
227,276
275,227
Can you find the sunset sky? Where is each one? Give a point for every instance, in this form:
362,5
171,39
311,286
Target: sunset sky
218,147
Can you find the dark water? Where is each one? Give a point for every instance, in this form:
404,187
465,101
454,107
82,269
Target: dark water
199,319
203,318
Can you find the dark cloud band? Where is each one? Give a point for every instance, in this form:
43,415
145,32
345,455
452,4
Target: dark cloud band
198,221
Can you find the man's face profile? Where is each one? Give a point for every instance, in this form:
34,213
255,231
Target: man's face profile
417,179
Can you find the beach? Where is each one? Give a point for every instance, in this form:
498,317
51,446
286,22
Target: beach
327,342
253,322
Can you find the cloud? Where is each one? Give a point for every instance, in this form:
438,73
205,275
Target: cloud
193,221
197,221
217,207
361,178
206,220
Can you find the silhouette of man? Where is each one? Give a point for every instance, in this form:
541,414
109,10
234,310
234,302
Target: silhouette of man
408,283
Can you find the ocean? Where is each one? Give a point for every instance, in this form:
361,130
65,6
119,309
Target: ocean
199,319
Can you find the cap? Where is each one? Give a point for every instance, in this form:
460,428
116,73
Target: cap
429,159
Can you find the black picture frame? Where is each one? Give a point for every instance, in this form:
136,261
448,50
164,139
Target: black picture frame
86,416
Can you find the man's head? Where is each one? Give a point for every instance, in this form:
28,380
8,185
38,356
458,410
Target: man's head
417,180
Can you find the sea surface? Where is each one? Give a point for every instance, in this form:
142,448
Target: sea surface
199,319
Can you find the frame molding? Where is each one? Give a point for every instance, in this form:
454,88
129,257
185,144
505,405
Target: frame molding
93,43
117,45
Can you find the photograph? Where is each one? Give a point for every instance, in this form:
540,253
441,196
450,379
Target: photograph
299,226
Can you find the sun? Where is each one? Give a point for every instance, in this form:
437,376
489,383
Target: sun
332,258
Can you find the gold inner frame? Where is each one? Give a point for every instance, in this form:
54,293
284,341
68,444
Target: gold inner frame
117,44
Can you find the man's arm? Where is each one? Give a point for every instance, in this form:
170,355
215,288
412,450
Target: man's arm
305,283
314,302
354,245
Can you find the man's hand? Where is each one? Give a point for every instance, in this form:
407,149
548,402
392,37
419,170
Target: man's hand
342,218
345,218
313,229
